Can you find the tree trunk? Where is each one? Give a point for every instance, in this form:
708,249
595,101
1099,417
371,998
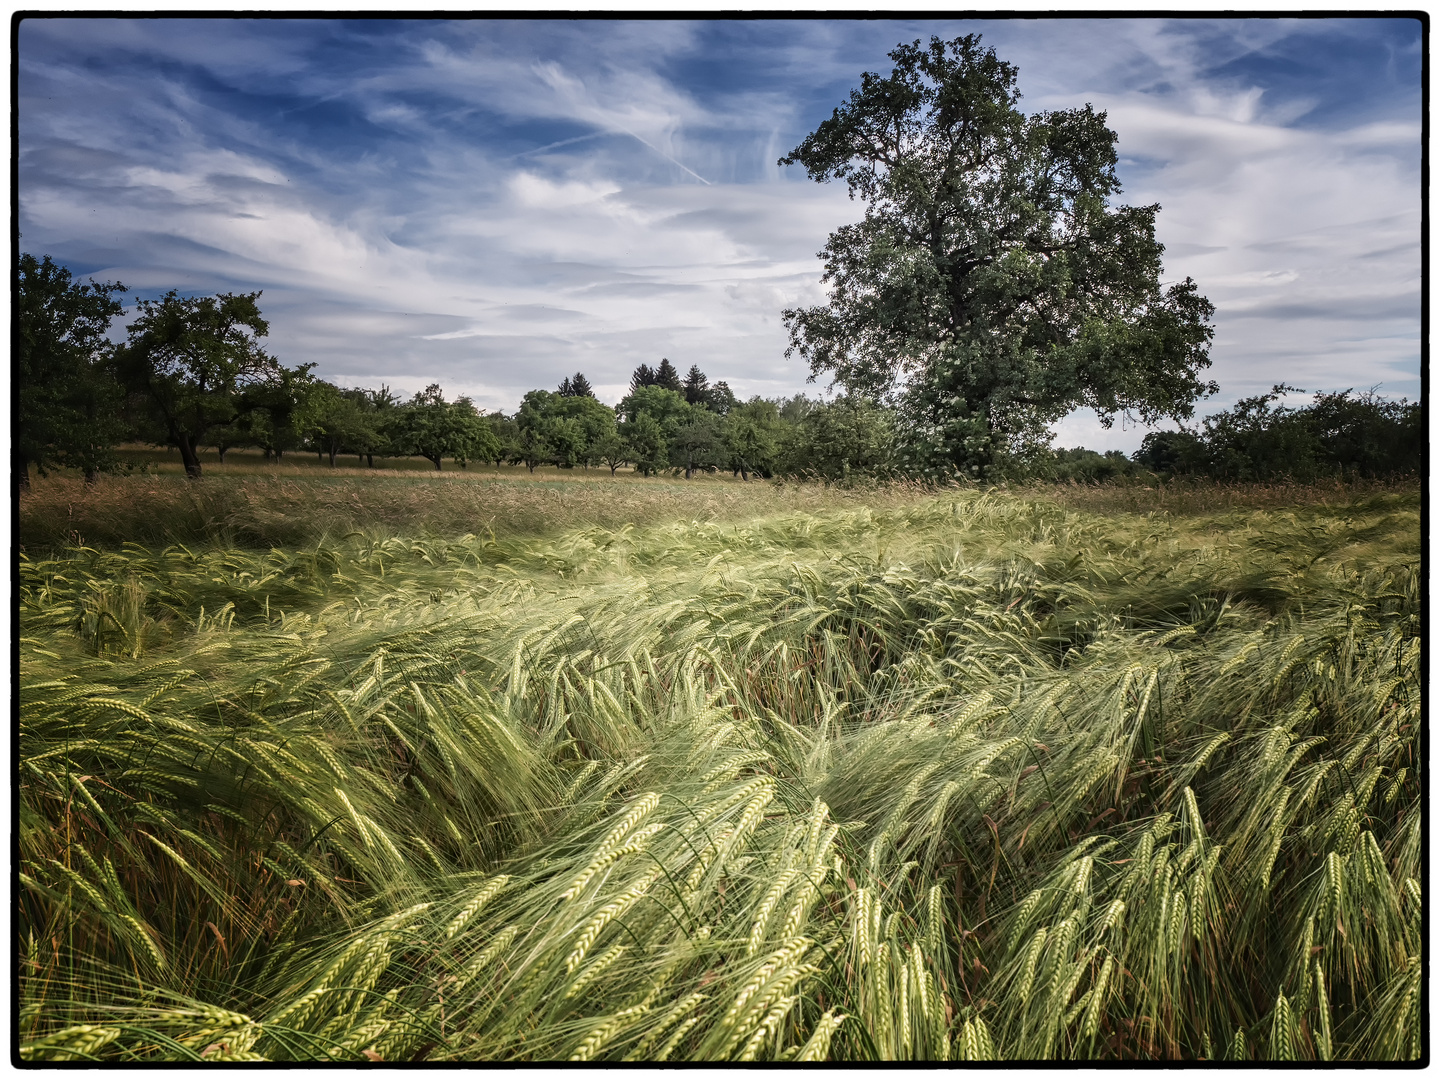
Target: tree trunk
333,450
91,475
22,472
189,456
744,474
435,459
370,460
688,470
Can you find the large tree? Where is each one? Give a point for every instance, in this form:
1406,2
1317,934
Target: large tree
67,402
192,358
993,285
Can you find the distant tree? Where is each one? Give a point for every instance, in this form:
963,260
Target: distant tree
570,426
647,442
720,398
191,358
533,447
435,428
507,437
696,386
67,404
667,378
1173,453
668,407
267,411
698,441
644,376
839,440
752,436
334,420
381,411
1259,439
1366,435
576,386
613,450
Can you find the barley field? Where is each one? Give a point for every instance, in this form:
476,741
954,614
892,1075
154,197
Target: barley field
775,774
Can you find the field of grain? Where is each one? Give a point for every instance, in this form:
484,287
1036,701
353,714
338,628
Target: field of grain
777,773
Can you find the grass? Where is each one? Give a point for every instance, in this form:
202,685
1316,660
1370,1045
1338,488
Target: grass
283,509
884,776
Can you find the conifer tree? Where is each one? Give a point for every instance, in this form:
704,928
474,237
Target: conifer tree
667,377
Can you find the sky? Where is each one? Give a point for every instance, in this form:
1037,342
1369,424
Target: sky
493,205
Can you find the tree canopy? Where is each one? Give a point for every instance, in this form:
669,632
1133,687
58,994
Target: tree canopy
191,358
67,402
992,286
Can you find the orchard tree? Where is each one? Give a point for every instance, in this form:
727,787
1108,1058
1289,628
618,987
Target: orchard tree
752,433
434,428
992,286
698,441
647,441
67,405
192,358
612,450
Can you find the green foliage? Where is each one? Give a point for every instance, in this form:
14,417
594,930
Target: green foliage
68,407
332,419
699,441
434,428
647,443
562,429
971,778
576,386
837,440
753,434
191,359
1361,435
992,287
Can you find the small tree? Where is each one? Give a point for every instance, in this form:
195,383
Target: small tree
751,433
697,441
67,407
667,378
334,420
696,386
848,437
576,386
644,375
191,358
435,428
613,450
647,442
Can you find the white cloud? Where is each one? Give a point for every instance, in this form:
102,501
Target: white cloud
442,246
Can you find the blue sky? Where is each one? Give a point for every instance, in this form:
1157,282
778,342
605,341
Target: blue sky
493,205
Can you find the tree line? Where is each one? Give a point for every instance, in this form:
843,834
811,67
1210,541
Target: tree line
193,373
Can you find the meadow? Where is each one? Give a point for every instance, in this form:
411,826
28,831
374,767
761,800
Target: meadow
468,767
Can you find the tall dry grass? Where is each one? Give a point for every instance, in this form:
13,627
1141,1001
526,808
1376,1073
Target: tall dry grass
962,778
288,509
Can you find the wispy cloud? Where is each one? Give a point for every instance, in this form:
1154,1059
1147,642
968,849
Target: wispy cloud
496,204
